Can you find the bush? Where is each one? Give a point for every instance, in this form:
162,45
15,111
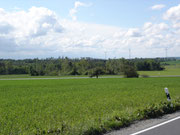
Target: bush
130,72
53,73
95,72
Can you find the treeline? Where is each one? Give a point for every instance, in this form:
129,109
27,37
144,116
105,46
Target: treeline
148,64
83,66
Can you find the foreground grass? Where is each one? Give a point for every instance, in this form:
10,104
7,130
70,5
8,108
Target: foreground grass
83,106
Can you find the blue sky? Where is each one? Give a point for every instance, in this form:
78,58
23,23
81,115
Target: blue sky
123,13
88,28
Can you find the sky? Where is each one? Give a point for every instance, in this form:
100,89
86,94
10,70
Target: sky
89,28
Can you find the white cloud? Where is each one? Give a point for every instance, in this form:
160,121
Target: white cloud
158,7
173,15
74,10
133,33
23,29
32,22
39,32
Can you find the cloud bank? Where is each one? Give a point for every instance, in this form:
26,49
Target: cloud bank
39,32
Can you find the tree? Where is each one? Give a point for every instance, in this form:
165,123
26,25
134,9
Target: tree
82,66
95,72
33,72
9,67
2,68
130,72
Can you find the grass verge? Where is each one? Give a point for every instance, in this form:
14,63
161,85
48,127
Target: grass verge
117,121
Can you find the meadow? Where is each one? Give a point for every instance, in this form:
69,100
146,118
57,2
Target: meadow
172,69
76,106
169,70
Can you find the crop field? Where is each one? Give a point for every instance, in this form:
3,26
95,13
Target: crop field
76,106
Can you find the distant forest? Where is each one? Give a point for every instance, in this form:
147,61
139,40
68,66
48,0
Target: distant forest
82,66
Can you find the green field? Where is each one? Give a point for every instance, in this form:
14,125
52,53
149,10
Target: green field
75,106
172,69
177,62
169,70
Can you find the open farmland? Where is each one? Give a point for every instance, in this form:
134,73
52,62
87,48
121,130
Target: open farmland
75,106
173,69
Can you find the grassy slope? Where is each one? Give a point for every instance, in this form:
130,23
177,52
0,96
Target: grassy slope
33,106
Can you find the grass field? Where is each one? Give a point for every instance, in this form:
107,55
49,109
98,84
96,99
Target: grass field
77,105
169,70
177,62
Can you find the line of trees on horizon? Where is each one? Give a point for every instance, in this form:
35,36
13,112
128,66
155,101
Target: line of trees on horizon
82,66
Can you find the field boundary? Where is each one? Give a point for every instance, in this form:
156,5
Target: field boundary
56,78
117,122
